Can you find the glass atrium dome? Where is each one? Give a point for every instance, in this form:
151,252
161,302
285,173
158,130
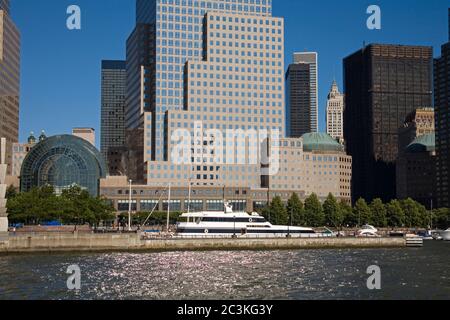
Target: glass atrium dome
63,161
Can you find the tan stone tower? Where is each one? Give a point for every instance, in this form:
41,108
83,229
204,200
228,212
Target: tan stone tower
3,186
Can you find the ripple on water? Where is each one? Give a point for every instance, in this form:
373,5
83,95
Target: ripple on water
305,274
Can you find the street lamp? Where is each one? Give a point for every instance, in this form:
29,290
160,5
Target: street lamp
289,225
129,208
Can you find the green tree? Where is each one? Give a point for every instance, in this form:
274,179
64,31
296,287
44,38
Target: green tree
11,192
296,209
278,212
314,215
442,218
412,214
395,214
350,220
333,214
75,205
425,216
362,212
378,213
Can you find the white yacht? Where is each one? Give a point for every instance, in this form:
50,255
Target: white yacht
445,235
368,231
238,224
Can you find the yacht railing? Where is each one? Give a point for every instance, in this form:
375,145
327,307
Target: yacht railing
245,237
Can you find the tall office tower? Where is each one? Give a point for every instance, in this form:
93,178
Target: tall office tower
298,100
442,105
209,64
9,80
303,117
335,113
114,76
383,84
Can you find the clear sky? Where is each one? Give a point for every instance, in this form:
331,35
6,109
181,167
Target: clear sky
60,80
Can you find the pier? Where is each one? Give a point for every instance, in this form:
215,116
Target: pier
53,243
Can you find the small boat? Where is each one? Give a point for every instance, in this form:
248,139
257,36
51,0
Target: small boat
368,231
425,235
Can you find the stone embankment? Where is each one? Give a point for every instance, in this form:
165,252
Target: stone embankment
79,242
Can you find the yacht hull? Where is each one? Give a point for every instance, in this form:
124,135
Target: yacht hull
445,235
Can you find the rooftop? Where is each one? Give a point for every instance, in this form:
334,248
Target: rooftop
424,143
317,141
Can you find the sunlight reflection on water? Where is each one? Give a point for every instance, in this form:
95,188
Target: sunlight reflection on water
308,274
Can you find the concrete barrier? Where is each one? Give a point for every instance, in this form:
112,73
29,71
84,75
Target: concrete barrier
133,242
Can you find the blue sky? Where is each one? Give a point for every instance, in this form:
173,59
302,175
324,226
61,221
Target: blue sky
60,83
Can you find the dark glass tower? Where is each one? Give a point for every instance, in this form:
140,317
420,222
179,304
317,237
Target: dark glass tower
298,100
9,79
383,84
442,105
114,78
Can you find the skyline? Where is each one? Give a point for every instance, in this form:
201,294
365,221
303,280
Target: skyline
73,65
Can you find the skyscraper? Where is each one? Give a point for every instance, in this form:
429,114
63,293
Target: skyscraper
335,113
442,105
298,100
114,78
9,79
383,84
208,61
302,118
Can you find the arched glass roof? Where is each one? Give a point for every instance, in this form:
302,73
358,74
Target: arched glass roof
63,161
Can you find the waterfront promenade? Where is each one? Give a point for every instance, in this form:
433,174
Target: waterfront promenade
79,242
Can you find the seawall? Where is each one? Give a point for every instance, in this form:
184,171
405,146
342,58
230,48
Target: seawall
133,242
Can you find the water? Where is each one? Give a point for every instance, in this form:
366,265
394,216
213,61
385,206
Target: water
305,274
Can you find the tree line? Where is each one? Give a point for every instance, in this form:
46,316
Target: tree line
73,206
339,214
77,206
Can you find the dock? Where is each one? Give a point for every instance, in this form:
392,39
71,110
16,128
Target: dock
54,243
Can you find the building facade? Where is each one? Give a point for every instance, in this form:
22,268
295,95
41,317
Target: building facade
416,171
112,135
19,152
212,64
335,113
9,80
302,95
87,134
442,105
383,84
418,123
315,163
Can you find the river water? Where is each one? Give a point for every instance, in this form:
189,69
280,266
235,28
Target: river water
422,273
